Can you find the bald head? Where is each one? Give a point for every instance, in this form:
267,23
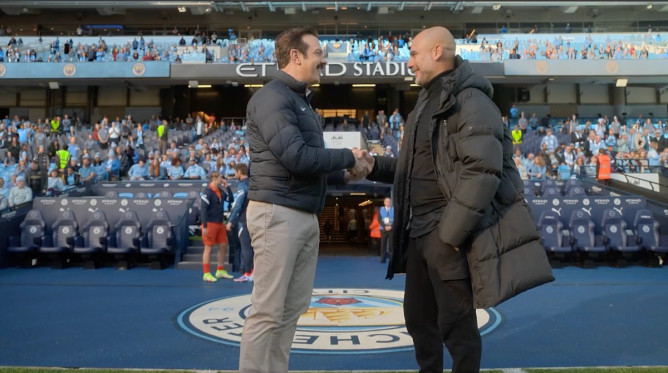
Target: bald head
432,52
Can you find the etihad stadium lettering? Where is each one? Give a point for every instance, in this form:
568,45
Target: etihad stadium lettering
333,69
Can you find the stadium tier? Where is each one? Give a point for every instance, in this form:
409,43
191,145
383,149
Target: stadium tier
175,49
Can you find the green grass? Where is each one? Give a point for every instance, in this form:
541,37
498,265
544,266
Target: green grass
565,370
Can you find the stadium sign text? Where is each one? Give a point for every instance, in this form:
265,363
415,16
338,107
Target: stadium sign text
332,69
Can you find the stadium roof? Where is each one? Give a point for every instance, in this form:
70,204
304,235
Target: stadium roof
329,5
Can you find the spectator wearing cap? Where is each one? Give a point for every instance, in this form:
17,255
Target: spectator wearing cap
388,152
19,194
175,171
86,172
138,171
194,171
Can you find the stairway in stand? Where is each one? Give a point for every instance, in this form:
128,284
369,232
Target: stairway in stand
192,259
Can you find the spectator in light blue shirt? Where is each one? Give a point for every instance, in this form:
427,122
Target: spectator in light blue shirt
195,171
550,141
175,172
536,171
513,112
138,171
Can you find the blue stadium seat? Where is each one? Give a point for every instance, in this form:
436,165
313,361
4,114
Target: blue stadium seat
93,239
648,231
125,243
552,233
552,191
584,239
528,192
617,236
158,240
61,242
32,234
576,191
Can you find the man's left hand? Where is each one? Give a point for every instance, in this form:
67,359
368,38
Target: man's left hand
229,227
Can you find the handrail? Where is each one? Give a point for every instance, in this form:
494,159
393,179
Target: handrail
651,183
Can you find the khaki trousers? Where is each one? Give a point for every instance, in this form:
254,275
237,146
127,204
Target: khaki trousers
286,243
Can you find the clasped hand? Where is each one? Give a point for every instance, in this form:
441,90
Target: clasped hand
363,165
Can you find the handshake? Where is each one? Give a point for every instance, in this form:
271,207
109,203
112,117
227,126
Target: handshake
363,165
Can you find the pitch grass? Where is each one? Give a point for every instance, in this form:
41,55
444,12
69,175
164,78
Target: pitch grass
553,370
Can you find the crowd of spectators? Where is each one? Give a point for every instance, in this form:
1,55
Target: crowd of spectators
49,157
567,150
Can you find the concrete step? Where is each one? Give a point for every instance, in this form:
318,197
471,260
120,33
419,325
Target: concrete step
196,243
197,257
197,266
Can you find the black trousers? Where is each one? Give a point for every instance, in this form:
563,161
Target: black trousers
385,245
438,306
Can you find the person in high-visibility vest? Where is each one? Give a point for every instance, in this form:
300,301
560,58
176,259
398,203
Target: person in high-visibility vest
516,134
63,158
163,135
374,231
603,167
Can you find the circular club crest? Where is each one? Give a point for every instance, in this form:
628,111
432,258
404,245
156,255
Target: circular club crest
128,230
69,70
555,202
138,69
33,230
372,319
645,228
96,215
618,201
542,67
585,201
3,70
93,202
549,230
613,229
160,230
128,215
33,214
157,202
124,202
96,230
581,229
63,202
65,230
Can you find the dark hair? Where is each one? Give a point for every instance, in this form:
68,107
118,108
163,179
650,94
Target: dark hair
242,167
291,39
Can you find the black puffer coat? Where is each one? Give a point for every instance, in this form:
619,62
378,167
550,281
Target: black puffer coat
291,166
486,213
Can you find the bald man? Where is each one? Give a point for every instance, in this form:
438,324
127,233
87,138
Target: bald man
458,205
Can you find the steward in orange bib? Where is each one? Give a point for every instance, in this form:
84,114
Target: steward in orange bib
603,167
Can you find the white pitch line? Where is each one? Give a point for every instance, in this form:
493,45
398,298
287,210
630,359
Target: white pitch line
513,370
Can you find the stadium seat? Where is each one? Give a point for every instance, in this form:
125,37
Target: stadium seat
576,191
193,215
649,236
163,194
552,236
572,183
552,191
32,235
617,236
93,239
61,242
548,184
111,194
581,228
141,195
158,240
528,192
124,244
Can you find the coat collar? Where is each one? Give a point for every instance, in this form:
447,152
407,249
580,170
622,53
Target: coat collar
294,84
